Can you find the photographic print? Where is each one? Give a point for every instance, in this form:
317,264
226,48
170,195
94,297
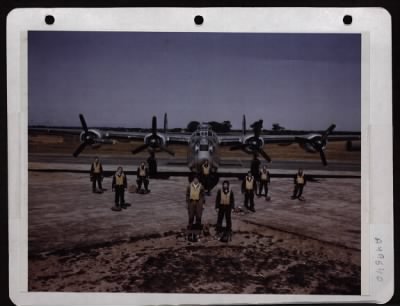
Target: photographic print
188,162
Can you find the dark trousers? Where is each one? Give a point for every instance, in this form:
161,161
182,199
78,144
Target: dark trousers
224,211
249,197
205,180
96,178
298,190
142,180
119,195
263,185
195,209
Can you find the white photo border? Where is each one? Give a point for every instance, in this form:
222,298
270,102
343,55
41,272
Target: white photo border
374,25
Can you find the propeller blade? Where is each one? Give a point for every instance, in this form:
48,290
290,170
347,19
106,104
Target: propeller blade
165,123
323,158
328,131
264,154
154,125
140,148
83,122
244,125
257,127
79,149
165,149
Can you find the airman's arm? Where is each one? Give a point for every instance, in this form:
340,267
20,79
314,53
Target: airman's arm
113,183
187,194
218,199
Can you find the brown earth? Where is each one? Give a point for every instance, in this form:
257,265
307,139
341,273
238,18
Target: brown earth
254,262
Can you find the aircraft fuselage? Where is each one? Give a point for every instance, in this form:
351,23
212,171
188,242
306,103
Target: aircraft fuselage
203,145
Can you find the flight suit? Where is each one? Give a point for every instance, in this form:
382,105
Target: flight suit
205,176
96,175
225,203
119,184
195,201
264,181
248,188
299,183
143,178
152,162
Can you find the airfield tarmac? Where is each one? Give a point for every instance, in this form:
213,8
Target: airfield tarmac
130,163
77,243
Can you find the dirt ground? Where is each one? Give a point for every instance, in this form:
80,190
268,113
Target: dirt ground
78,244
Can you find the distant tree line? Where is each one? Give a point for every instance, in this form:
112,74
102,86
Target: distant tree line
218,127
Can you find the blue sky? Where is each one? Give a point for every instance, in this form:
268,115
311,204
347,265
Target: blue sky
302,81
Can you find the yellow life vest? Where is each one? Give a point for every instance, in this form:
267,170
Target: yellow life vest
249,184
225,198
119,179
264,176
195,192
142,171
96,167
206,169
300,179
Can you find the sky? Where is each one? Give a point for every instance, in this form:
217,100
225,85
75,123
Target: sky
122,79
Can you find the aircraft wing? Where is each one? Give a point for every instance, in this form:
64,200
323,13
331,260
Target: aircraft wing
228,140
281,139
55,131
178,138
106,134
287,139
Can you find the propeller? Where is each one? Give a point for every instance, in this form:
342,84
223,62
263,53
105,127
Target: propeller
165,124
253,144
154,140
89,137
140,148
79,149
318,143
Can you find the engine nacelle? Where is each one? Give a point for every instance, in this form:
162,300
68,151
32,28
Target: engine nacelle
313,139
155,141
253,144
91,135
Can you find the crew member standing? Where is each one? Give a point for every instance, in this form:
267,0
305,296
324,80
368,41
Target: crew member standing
224,203
264,181
255,168
119,185
142,178
195,201
205,176
152,162
248,188
299,183
96,175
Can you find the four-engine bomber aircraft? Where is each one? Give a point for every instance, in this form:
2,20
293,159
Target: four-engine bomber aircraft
203,143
